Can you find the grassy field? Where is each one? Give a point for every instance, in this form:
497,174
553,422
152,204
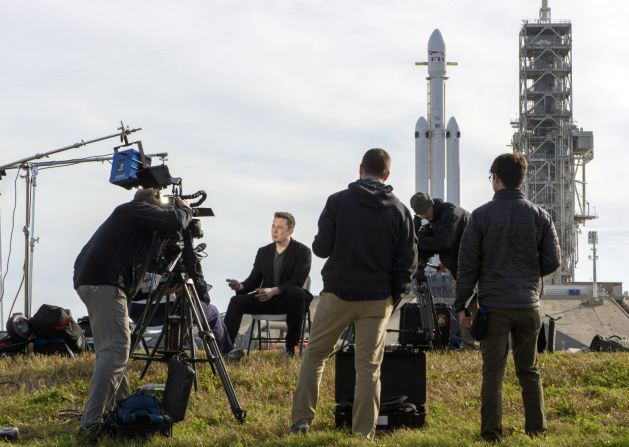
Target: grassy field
587,403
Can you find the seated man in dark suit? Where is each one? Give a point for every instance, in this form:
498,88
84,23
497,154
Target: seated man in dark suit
275,285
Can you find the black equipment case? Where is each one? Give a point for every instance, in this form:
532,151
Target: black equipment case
53,322
403,388
178,387
447,324
417,325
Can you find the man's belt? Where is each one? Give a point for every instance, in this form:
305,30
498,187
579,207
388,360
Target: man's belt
362,296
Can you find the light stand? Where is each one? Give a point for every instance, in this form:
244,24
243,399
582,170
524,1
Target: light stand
593,240
30,179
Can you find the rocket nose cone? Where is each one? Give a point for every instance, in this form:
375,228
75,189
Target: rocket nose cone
436,42
452,125
421,124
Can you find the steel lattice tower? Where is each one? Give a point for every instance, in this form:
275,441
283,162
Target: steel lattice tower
556,150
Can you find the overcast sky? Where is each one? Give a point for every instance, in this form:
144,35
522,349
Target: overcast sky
270,105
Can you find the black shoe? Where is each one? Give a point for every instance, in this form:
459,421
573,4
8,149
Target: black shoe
536,433
90,433
235,355
289,352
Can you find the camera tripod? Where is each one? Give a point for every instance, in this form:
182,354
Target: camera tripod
424,331
428,313
183,311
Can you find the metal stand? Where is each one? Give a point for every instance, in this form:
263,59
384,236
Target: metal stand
428,316
31,171
182,314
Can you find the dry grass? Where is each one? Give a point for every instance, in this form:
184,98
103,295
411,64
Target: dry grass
587,402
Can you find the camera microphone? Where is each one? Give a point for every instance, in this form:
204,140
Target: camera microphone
201,247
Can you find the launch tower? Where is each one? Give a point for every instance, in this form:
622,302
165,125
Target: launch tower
556,150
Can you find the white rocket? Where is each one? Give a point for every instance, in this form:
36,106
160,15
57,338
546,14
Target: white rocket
437,146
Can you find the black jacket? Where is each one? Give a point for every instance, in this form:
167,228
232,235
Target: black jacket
295,268
509,243
119,252
368,237
448,224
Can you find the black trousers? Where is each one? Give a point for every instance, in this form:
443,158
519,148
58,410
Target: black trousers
293,303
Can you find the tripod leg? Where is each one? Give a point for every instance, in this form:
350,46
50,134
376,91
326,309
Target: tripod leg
193,347
435,319
147,316
213,352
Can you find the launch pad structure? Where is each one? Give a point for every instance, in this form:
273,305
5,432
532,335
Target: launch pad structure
556,149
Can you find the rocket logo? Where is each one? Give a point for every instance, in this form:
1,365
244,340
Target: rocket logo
436,56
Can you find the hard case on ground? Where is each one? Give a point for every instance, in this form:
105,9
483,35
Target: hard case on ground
402,378
416,325
178,387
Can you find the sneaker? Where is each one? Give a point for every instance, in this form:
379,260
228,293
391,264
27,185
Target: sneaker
300,428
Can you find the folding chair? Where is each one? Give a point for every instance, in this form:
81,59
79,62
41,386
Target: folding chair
268,340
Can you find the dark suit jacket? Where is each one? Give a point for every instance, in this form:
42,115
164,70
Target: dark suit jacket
295,268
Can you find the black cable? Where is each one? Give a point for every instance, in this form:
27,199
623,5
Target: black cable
17,294
11,235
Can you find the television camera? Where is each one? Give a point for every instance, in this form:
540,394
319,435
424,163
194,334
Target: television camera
424,324
423,256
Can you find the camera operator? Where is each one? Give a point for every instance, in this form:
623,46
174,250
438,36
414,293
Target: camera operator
447,223
107,273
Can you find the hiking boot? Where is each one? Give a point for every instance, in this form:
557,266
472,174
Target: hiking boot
300,428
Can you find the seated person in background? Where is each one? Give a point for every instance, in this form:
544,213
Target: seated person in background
275,285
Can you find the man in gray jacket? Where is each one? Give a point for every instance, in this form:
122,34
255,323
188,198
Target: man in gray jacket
508,244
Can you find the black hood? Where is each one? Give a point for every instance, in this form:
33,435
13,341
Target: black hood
373,194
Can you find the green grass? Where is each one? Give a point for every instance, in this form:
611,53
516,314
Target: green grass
587,402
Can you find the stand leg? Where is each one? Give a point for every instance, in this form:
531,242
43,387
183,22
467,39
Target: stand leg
213,352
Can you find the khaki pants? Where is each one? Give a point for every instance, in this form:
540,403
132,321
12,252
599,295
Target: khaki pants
370,320
109,320
524,326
